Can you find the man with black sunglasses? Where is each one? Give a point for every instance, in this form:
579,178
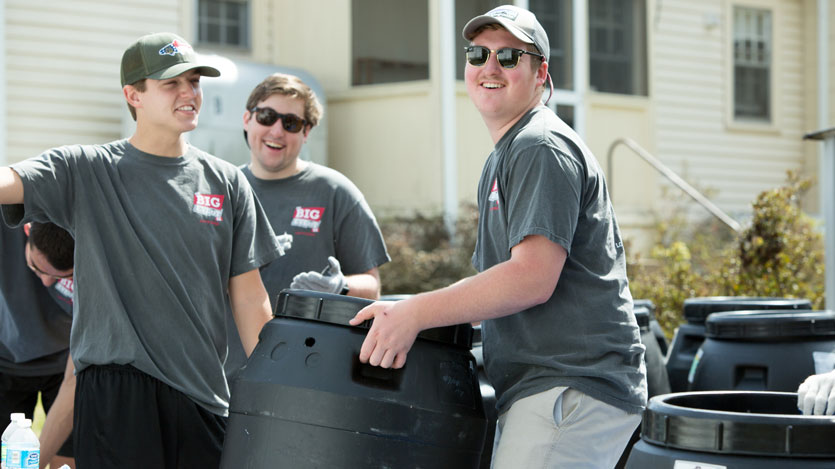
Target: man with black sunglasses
36,295
332,241
561,344
169,242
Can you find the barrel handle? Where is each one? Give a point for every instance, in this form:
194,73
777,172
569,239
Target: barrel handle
375,376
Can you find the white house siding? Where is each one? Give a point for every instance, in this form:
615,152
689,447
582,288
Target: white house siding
831,63
62,60
692,71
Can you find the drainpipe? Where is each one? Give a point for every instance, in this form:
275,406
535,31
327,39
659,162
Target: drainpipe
448,122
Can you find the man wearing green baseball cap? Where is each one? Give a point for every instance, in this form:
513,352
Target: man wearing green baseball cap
169,240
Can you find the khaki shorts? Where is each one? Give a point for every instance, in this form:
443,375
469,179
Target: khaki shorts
562,428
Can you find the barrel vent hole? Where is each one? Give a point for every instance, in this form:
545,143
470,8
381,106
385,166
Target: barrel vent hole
309,342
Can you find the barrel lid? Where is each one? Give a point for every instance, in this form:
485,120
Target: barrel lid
642,315
772,324
643,303
737,422
339,309
697,309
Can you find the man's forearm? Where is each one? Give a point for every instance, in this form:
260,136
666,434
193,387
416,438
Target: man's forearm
365,285
58,424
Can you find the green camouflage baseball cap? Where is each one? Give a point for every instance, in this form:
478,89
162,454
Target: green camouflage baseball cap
161,56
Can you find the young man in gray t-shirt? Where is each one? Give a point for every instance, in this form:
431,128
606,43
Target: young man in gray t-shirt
169,241
561,344
319,213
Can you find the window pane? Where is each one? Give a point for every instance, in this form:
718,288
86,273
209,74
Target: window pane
752,64
390,41
566,113
223,22
617,46
555,16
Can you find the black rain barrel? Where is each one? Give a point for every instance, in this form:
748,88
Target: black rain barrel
654,325
657,380
690,335
305,401
732,430
762,350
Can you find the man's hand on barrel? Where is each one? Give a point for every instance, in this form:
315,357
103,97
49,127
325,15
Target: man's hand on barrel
816,395
391,335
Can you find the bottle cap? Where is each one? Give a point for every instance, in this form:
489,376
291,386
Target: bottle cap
15,416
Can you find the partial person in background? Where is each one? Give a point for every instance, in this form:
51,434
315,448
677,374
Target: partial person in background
331,240
816,395
36,297
561,344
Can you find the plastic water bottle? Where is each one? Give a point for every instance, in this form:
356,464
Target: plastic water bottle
15,417
24,449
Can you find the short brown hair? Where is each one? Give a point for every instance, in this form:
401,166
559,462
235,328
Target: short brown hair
287,85
141,87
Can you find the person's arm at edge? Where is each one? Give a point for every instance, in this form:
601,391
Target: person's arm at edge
58,423
250,307
11,187
364,285
527,279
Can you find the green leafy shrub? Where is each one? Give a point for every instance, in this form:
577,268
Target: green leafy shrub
779,254
423,257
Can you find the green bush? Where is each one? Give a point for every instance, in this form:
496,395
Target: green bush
423,257
778,254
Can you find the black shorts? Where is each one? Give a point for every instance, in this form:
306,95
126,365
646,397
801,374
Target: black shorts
127,419
20,394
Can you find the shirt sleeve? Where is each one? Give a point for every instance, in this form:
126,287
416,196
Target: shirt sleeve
542,191
48,188
254,243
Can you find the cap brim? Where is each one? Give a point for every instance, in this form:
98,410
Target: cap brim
479,21
178,69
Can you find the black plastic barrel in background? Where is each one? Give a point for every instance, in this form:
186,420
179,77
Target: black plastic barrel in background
663,344
762,350
657,380
689,336
304,400
733,429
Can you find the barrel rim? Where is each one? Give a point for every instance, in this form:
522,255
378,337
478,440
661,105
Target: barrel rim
313,308
728,432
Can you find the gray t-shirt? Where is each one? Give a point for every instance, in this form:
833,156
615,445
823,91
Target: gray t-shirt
327,215
34,320
157,240
541,179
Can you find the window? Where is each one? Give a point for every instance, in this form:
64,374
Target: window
617,46
555,16
223,22
752,64
390,41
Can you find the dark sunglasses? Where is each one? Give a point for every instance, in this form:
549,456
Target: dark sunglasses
508,57
268,116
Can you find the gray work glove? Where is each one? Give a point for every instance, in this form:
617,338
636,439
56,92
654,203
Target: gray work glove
285,242
330,280
816,395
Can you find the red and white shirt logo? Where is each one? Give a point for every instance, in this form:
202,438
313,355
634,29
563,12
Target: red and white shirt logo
494,196
308,217
209,205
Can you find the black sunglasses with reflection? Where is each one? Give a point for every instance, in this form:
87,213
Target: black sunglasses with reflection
508,57
268,116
